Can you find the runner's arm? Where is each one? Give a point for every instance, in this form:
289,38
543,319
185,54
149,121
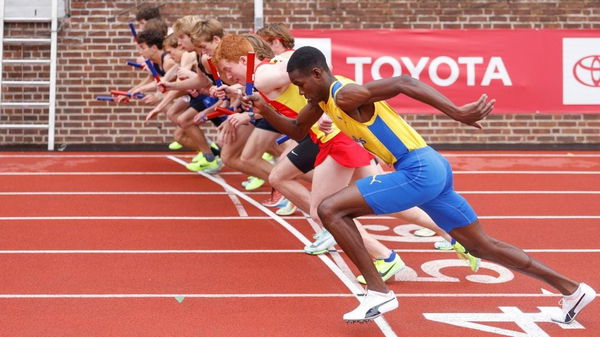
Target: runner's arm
359,97
295,128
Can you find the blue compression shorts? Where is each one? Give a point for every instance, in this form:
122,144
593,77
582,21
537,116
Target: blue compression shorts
423,178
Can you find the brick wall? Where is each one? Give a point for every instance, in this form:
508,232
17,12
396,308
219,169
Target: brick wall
94,44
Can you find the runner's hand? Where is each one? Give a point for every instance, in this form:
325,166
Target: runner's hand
473,112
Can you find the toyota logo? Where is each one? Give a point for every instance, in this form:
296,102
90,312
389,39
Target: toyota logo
587,71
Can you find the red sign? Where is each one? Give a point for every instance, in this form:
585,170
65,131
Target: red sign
526,71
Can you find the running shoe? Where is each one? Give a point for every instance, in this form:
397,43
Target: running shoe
198,157
254,183
323,242
465,255
203,165
424,232
385,269
288,209
268,157
372,306
442,245
571,305
275,200
247,181
175,146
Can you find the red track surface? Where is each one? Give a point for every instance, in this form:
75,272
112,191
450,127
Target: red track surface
111,264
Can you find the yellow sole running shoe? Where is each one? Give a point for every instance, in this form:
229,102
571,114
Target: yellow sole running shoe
385,269
175,146
465,255
254,183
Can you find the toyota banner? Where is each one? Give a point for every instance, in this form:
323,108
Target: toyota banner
526,71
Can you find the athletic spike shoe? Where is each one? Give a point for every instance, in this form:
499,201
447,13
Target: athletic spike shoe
288,209
385,269
213,167
205,166
372,306
254,183
275,200
571,305
465,255
198,157
247,181
268,157
175,146
442,245
323,242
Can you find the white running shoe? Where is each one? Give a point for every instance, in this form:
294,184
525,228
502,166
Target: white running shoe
323,241
572,304
288,209
442,245
372,306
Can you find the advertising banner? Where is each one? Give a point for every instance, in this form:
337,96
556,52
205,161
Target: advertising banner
526,71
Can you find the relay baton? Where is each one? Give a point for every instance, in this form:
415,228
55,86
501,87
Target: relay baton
215,74
134,64
250,79
133,32
105,98
282,139
215,114
125,93
161,87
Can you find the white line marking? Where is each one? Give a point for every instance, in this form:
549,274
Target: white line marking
527,172
525,155
446,154
335,255
165,251
228,189
236,173
176,218
261,193
65,155
256,251
113,193
380,321
132,173
109,296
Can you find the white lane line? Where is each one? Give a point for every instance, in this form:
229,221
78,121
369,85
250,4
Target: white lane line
112,193
158,251
446,154
527,172
177,218
523,155
124,173
236,173
228,189
259,251
261,193
335,255
65,155
380,321
330,295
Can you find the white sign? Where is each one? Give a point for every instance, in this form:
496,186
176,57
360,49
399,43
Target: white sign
581,71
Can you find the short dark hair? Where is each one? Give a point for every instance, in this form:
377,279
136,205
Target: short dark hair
147,13
157,24
305,59
151,37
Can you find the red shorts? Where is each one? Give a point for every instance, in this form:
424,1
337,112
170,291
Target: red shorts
344,151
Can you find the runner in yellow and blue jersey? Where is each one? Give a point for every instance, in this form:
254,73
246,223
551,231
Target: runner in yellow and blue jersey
422,177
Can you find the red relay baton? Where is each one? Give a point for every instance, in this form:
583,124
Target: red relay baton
215,114
250,79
